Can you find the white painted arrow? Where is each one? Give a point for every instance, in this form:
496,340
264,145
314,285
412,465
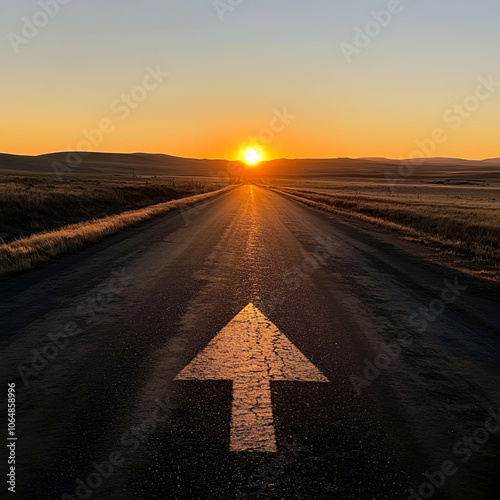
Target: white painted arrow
251,352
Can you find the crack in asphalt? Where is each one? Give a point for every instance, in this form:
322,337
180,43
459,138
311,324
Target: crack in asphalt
251,351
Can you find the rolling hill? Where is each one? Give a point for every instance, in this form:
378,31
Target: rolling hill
161,164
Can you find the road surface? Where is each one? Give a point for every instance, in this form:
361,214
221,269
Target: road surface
391,368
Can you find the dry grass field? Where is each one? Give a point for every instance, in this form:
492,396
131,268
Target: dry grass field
31,204
460,221
41,218
452,209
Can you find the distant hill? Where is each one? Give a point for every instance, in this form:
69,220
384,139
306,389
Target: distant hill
162,164
492,161
440,161
379,167
111,164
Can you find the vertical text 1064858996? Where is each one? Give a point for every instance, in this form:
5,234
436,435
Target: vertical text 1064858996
11,437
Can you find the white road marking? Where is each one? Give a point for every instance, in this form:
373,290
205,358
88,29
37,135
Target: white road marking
251,351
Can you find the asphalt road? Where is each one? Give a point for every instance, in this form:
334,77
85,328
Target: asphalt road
403,359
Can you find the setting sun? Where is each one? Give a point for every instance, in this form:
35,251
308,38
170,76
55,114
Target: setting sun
252,157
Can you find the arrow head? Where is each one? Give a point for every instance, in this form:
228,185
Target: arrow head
251,351
250,347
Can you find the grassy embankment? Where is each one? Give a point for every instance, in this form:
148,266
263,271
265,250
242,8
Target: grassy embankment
40,218
467,232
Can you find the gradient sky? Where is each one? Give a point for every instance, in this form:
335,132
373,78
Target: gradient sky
226,77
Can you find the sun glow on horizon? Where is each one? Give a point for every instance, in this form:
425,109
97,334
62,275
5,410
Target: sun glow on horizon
252,156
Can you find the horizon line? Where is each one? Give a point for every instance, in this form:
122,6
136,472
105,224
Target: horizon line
367,158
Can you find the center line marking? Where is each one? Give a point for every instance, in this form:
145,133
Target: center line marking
251,351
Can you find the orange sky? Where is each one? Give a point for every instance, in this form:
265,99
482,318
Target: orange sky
230,81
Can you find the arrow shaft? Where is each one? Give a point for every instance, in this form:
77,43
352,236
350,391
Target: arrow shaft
252,426
251,351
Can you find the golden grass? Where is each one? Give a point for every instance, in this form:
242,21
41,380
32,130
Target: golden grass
34,204
26,253
469,230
